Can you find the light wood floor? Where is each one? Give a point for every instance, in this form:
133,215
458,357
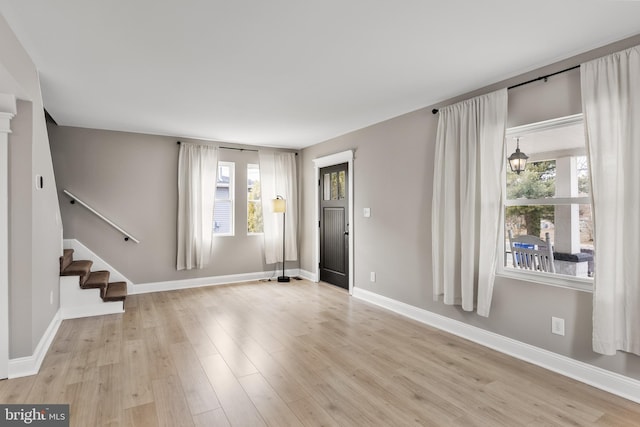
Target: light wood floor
293,354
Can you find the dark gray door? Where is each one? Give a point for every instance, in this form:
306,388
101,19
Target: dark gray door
334,226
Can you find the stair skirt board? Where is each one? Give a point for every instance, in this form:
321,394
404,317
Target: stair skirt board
77,302
83,252
101,309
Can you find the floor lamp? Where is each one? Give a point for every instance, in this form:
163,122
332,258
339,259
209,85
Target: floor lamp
279,205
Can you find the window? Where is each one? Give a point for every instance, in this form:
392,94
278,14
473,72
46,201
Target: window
334,186
223,211
254,200
552,195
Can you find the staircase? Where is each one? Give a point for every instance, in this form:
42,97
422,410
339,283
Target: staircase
94,296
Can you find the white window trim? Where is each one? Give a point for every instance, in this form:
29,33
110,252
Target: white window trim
549,201
550,279
232,197
252,201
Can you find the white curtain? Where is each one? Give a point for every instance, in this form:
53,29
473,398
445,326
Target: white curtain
467,211
197,173
611,108
278,177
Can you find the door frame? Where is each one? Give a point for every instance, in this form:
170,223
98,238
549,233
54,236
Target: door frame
322,162
7,112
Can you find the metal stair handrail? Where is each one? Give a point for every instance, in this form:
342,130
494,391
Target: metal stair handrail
127,236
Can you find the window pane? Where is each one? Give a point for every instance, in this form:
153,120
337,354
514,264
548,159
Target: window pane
222,217
530,220
334,185
223,210
253,182
224,174
222,192
582,169
586,236
539,220
341,185
254,203
255,224
537,181
327,187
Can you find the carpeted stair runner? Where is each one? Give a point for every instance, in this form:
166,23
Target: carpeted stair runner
114,291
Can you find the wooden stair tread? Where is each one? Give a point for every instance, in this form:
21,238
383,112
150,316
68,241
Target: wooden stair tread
96,280
66,259
77,268
116,291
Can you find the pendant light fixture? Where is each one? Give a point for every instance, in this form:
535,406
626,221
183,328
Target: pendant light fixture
518,160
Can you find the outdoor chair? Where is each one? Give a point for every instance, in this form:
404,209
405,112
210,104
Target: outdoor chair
532,253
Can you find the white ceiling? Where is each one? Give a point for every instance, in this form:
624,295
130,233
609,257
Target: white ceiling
289,73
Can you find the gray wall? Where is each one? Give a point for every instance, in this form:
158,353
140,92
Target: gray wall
393,175
20,240
132,180
36,231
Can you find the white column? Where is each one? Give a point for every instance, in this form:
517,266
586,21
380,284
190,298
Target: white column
567,217
7,111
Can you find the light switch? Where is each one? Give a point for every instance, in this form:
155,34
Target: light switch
367,212
557,326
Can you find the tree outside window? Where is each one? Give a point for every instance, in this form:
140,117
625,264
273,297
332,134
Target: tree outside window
537,181
254,200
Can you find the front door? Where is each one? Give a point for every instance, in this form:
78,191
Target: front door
334,225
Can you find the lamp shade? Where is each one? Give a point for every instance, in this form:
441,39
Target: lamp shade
279,205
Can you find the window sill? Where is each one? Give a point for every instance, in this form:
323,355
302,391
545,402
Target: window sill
549,279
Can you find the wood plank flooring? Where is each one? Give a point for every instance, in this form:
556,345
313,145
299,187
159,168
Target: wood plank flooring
296,354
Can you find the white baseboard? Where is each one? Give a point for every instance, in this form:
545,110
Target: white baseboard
312,277
30,365
199,282
611,382
83,252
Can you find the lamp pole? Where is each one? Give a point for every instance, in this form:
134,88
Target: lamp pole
283,278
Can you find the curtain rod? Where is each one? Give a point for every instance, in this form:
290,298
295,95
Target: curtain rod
230,148
435,110
238,149
234,148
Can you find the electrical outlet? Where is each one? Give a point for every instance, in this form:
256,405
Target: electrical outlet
557,326
373,276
